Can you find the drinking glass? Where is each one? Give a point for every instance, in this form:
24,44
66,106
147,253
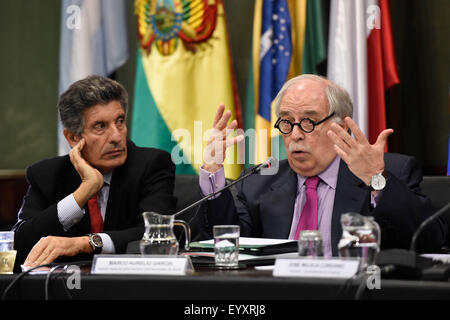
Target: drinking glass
226,245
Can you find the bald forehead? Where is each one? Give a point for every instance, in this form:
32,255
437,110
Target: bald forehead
316,84
306,93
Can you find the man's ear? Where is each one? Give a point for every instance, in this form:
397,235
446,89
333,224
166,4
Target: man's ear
71,138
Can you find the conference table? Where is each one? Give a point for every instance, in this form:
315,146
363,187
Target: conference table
209,284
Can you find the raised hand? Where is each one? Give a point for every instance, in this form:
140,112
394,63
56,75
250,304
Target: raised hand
91,178
218,142
363,159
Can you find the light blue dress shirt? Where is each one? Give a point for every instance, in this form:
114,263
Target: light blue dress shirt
70,213
326,190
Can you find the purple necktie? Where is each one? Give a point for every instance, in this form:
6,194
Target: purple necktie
308,218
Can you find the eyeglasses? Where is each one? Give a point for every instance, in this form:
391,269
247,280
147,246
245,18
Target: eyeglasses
306,124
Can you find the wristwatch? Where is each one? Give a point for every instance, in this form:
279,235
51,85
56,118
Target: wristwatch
378,181
96,242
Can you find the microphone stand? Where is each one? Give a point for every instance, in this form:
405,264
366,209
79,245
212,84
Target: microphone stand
252,171
426,223
407,263
133,246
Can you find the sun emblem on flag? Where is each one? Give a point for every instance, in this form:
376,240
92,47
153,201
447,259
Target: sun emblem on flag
167,22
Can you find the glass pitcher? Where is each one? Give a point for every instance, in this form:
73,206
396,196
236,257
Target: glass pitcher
159,237
360,238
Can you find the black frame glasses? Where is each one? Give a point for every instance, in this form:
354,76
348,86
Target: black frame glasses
301,124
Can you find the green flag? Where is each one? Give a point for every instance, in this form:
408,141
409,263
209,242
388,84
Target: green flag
316,37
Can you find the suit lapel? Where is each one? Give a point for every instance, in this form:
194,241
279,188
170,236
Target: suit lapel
277,205
117,192
351,196
113,204
69,183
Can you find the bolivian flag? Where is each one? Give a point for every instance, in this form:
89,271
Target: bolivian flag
183,74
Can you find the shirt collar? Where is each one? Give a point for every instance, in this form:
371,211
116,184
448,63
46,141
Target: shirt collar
107,178
329,175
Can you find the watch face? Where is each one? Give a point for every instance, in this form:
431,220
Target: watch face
97,240
378,182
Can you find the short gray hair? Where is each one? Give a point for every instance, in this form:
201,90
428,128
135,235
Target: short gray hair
86,93
339,100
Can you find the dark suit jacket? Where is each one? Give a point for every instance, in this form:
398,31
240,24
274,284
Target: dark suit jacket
144,182
264,205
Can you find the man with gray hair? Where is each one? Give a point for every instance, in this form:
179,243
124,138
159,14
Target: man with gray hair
327,173
91,201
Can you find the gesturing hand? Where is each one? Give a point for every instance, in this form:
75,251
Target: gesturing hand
218,142
363,159
91,178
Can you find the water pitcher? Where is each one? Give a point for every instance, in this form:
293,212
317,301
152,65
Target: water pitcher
159,237
360,238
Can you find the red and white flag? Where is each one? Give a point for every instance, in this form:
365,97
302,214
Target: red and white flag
361,58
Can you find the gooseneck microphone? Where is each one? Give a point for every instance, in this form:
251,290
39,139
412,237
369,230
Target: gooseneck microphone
407,263
425,223
265,165
133,247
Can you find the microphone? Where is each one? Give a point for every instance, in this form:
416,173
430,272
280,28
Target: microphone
263,166
426,223
407,263
133,247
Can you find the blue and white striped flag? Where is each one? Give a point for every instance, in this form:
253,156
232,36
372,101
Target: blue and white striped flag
93,41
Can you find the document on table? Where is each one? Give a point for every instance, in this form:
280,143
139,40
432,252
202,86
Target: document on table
444,258
245,242
250,249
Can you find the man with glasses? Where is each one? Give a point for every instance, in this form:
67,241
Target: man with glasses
327,173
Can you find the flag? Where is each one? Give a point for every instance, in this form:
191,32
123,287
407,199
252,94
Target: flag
303,28
316,38
93,40
183,73
361,58
273,48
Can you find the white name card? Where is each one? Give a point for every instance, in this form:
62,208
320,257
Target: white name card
316,268
139,264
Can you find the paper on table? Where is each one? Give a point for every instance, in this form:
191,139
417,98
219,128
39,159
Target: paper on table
243,256
246,257
244,242
445,258
42,270
265,268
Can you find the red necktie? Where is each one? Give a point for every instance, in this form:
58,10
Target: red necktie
308,218
95,214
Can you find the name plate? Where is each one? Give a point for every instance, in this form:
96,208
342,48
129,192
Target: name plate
316,268
139,264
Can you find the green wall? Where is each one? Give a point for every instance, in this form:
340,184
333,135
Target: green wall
29,39
29,32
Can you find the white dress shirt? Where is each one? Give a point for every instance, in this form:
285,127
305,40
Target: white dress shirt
70,213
